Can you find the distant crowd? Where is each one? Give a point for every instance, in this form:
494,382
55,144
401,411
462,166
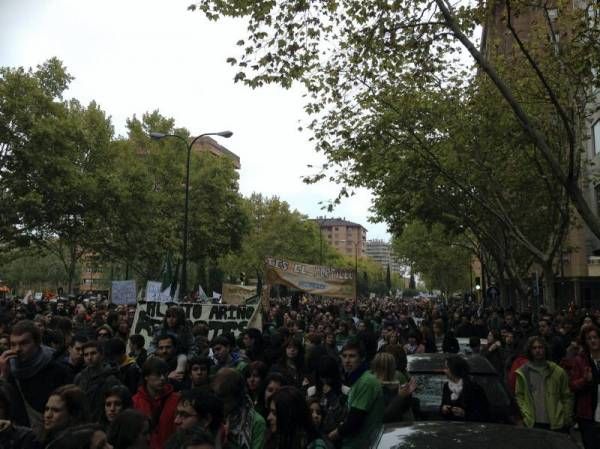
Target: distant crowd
320,374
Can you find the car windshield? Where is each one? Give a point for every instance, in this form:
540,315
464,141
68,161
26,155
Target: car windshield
429,389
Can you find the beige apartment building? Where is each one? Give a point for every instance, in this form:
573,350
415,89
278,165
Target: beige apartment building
346,237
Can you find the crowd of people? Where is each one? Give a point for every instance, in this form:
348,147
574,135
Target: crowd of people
320,374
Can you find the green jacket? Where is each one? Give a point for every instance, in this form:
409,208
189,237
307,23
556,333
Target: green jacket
558,397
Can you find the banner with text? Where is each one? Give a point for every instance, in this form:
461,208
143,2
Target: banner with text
237,294
123,292
315,279
220,318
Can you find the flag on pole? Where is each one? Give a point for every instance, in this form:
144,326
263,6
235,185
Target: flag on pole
169,282
201,295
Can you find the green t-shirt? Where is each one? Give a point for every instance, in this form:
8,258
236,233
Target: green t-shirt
258,429
365,394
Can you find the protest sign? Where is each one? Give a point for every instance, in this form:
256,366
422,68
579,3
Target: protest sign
155,292
123,292
220,318
237,294
315,279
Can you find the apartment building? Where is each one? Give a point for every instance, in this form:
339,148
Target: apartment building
346,237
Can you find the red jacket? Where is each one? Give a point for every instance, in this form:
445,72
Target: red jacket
511,378
586,393
161,412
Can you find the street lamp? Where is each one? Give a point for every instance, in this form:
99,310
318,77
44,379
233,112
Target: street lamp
159,136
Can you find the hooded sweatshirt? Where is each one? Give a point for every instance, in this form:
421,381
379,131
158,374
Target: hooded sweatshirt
160,410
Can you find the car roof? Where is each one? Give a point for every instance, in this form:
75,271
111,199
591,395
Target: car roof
457,435
435,362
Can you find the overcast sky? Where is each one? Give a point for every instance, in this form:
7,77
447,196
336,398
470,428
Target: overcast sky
133,56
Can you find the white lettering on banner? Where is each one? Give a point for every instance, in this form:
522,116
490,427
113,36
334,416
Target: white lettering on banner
221,318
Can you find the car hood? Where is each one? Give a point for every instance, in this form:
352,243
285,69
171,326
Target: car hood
455,435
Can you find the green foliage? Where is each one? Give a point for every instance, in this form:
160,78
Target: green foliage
441,259
32,269
396,109
56,163
275,230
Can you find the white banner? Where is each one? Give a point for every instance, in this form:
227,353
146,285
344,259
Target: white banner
221,318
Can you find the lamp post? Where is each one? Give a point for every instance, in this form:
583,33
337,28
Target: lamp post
159,136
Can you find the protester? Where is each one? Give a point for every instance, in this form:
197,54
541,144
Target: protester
585,383
33,372
254,375
444,341
137,349
253,345
130,430
86,436
66,407
462,399
394,386
74,359
330,392
365,400
157,400
97,376
129,373
224,355
494,352
290,422
198,413
246,428
542,390
414,345
116,399
291,364
13,436
197,376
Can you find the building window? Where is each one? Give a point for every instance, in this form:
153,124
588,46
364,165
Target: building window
596,137
336,228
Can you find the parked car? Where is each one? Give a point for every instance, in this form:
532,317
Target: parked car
428,371
459,435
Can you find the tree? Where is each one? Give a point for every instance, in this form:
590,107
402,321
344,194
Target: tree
388,279
145,224
24,269
442,260
386,78
346,52
278,231
56,162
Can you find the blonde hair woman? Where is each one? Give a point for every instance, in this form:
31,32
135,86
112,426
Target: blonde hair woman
396,395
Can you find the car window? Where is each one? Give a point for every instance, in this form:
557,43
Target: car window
429,389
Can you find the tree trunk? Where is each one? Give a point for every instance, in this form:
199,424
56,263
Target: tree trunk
549,293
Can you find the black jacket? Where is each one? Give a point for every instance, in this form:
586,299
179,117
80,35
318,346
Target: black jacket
37,389
472,400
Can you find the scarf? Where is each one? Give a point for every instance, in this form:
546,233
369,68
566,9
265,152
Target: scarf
239,424
355,375
456,389
26,369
